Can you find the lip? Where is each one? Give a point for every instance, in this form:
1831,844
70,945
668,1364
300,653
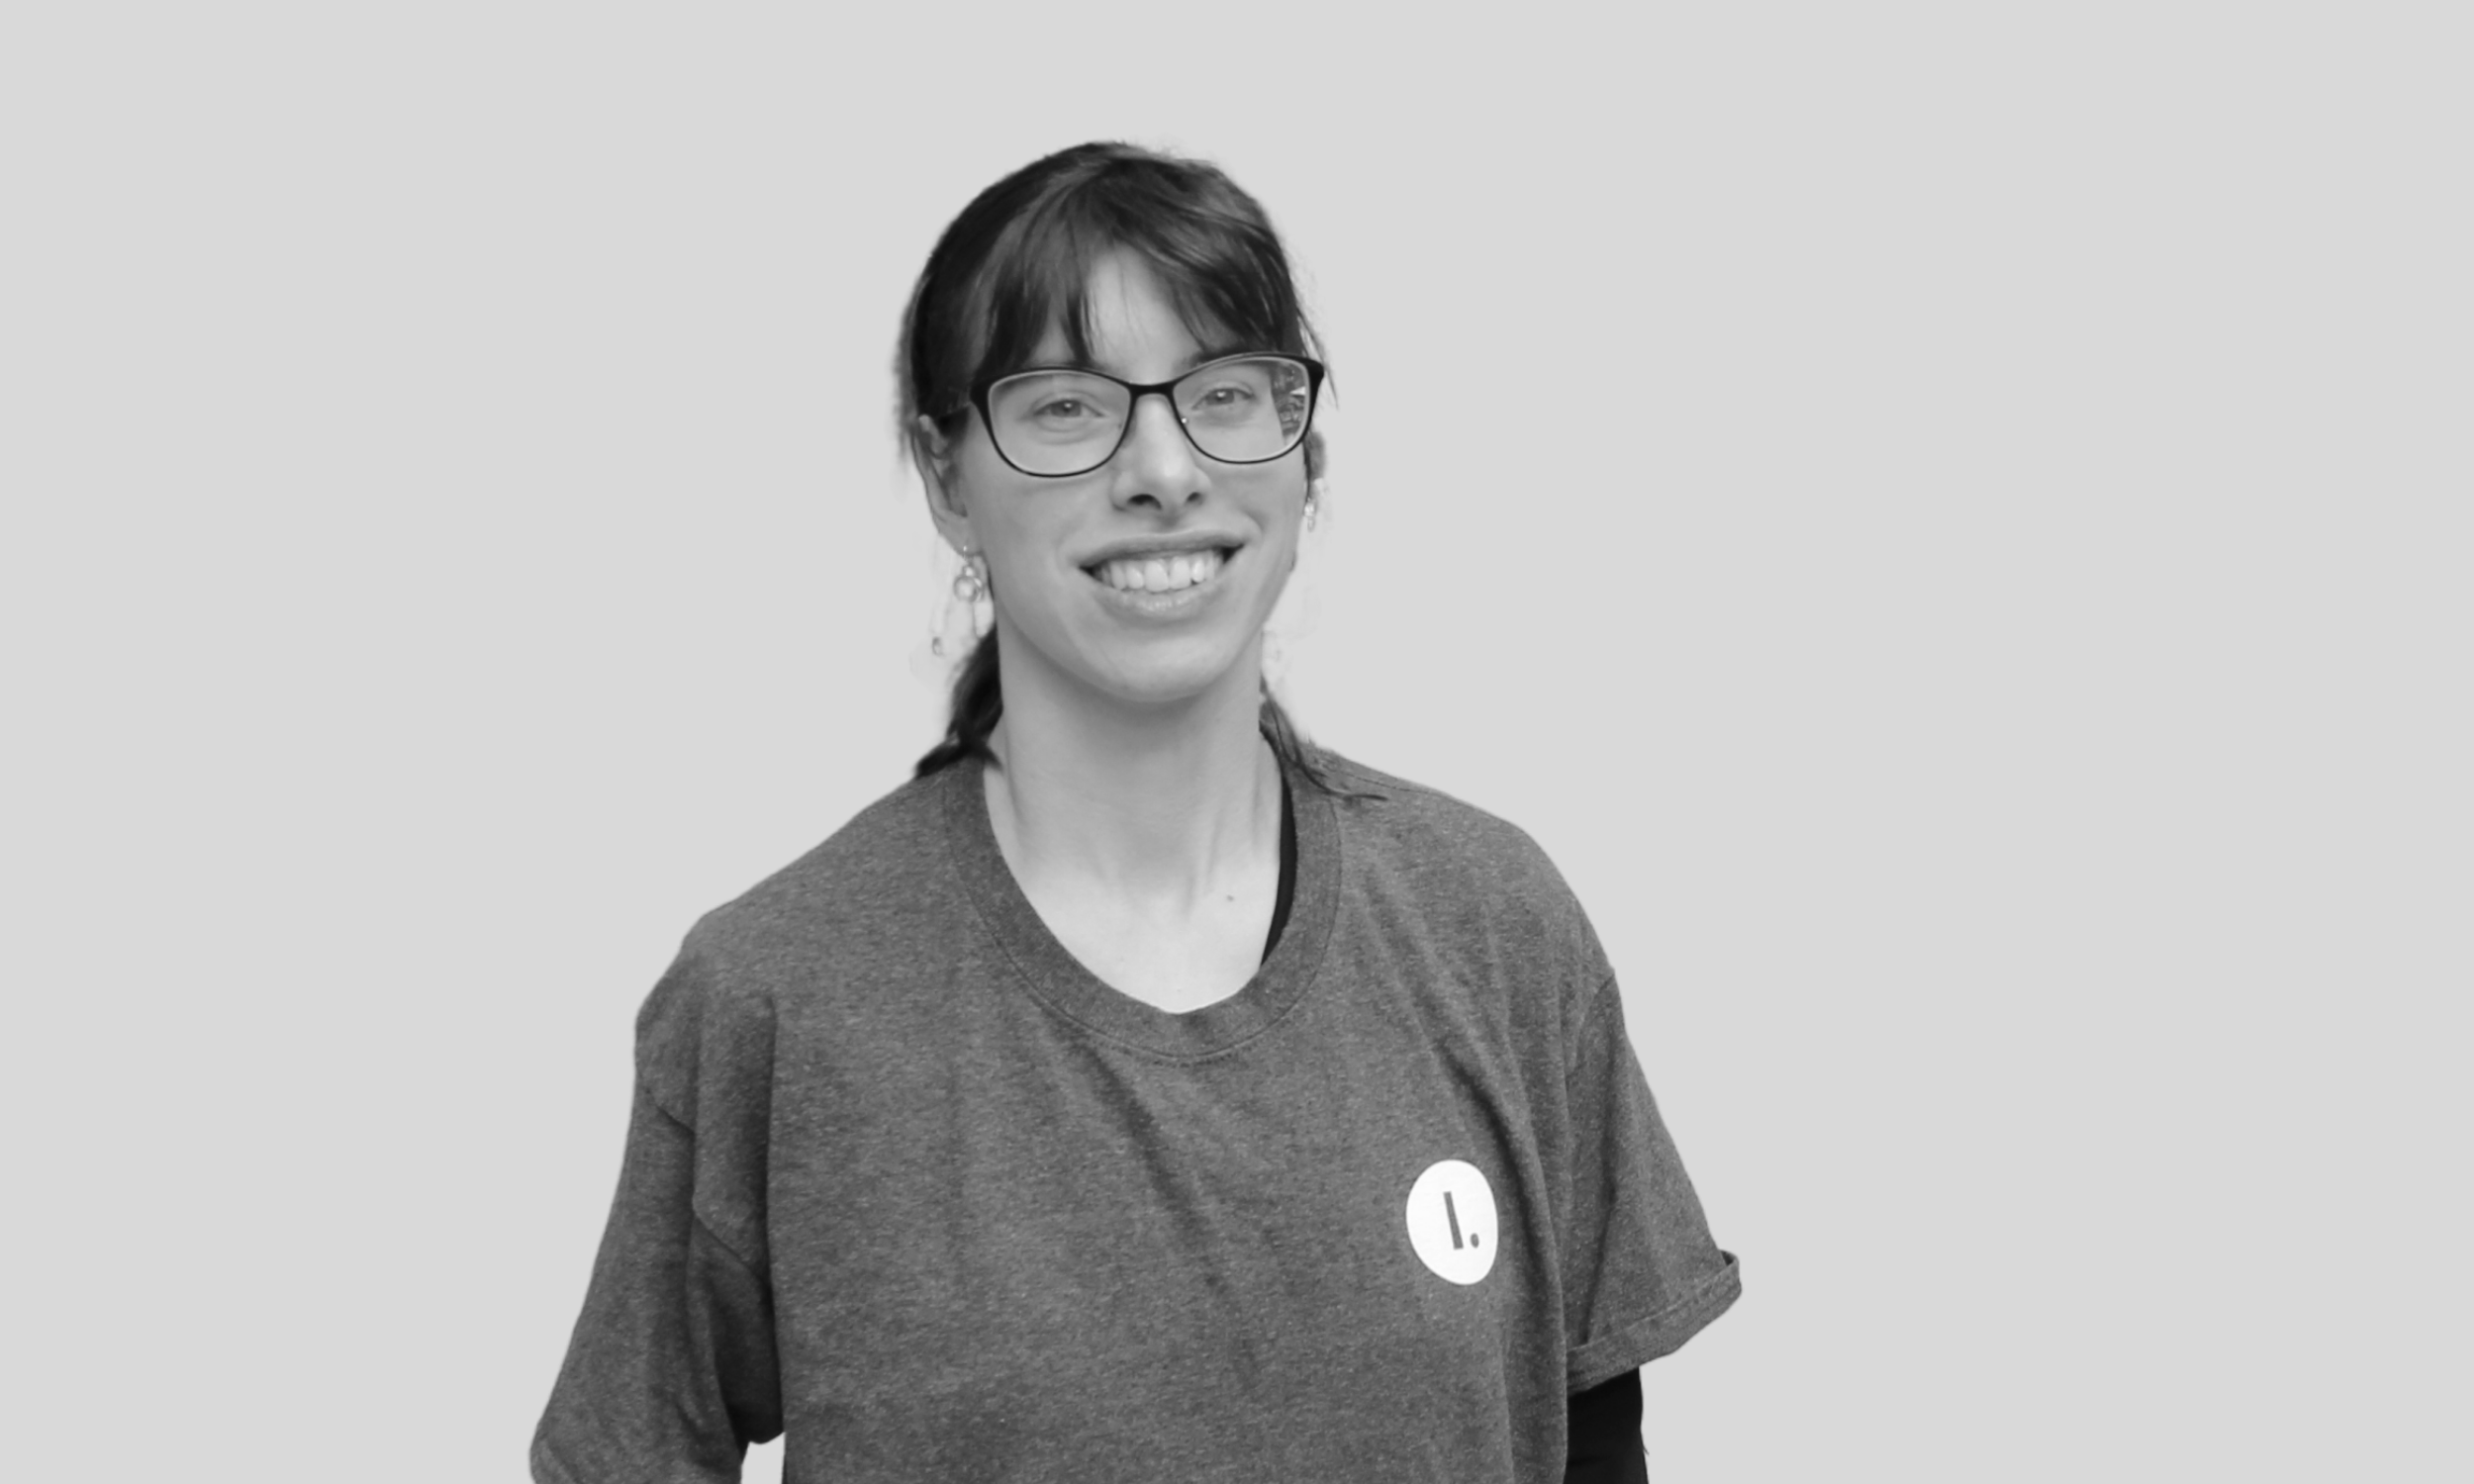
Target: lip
1146,604
1174,544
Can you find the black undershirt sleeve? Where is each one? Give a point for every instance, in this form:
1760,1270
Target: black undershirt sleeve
1606,1434
1605,1423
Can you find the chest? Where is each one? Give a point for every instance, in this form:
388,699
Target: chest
1333,1247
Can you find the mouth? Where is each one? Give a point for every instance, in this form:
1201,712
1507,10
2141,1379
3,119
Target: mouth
1164,573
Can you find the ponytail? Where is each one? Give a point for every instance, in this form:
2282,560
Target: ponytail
978,701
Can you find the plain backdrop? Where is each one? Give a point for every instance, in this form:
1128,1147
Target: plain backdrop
1950,523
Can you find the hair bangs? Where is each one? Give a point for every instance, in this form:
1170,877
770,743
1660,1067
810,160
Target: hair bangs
1226,279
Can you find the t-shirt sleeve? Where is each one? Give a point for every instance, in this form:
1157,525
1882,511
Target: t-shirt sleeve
671,1373
1641,1274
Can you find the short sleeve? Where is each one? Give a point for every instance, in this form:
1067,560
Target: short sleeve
1641,1274
671,1371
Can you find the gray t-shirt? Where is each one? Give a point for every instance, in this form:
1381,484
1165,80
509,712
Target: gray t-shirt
907,1183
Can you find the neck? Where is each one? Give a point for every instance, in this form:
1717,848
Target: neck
1162,804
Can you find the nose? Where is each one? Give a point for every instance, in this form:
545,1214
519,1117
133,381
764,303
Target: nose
1156,466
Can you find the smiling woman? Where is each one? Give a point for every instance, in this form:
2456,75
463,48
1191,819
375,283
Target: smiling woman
1136,576
1140,1091
1107,254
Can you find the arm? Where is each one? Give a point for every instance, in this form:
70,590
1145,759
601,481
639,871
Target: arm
671,1369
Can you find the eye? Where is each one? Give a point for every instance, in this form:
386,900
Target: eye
1221,399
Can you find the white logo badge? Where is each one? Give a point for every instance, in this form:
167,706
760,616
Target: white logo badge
1452,1220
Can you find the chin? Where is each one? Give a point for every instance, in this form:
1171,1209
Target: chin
1171,674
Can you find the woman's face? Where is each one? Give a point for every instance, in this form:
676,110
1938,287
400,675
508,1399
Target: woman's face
1070,561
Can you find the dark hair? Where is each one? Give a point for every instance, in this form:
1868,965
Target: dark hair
1019,259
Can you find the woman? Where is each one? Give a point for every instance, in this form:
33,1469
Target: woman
1139,1093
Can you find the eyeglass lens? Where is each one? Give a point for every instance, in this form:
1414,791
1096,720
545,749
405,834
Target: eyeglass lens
1241,411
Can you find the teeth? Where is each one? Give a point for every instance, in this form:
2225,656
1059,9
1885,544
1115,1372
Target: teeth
1167,573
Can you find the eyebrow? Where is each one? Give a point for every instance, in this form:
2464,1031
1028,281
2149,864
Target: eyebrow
1202,356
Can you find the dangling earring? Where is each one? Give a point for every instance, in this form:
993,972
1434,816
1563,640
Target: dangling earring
1293,617
969,589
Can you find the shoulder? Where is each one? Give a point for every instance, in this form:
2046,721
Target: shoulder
1463,870
1413,827
861,894
872,865
1473,900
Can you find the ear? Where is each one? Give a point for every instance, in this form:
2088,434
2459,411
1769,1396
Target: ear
1317,475
934,457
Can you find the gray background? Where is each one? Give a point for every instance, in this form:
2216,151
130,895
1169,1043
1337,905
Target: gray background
1947,522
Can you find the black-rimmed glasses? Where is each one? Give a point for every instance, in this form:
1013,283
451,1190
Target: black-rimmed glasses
1055,422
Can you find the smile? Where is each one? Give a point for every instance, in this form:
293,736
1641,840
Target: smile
1168,573
1165,585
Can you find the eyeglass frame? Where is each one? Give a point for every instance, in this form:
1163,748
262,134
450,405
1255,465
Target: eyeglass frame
1136,392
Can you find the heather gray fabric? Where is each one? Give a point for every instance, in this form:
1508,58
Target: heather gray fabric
906,1181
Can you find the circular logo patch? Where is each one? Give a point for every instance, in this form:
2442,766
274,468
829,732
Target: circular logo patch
1452,1220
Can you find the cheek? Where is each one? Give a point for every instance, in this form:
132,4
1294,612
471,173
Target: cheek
1017,585
1029,580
